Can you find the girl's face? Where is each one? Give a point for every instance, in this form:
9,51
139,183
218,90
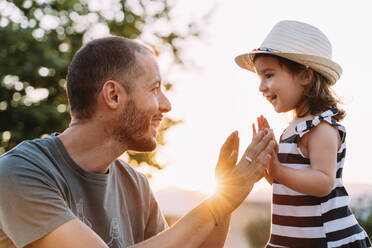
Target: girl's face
280,87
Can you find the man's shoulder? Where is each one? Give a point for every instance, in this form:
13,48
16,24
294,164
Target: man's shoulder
38,145
126,168
30,155
130,173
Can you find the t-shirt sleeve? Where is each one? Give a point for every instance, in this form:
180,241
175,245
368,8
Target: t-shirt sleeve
31,201
155,222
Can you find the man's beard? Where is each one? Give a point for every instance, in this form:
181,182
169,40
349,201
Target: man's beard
133,127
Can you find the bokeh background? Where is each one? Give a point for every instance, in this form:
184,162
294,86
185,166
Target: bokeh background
211,96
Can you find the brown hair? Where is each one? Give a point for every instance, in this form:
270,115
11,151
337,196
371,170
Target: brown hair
111,58
318,95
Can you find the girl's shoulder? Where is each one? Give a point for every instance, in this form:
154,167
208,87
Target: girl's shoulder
320,129
299,127
324,119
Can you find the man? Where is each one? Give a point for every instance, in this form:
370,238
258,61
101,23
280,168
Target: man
69,190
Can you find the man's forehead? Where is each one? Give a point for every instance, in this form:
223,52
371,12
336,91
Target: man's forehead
148,69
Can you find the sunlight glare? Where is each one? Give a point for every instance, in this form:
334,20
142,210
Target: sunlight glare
209,187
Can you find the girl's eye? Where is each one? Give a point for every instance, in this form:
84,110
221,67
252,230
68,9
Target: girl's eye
268,75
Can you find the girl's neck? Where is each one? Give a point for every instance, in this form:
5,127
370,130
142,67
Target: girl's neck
301,110
290,129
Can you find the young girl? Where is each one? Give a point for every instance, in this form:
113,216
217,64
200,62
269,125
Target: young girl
310,204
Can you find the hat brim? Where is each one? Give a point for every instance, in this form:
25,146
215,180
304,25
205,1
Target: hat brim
326,67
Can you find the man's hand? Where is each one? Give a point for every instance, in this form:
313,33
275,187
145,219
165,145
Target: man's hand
237,181
228,157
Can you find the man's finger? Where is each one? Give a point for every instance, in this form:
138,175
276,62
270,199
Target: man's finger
231,161
263,159
227,146
228,155
257,138
254,149
260,164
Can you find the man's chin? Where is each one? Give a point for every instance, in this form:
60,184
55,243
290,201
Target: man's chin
144,145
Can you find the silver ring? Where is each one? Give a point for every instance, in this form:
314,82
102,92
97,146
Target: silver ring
248,159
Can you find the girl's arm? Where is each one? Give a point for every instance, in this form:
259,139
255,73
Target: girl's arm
321,147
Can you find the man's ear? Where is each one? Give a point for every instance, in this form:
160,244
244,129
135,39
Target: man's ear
113,94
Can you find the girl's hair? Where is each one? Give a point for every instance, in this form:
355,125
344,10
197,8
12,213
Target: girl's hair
318,95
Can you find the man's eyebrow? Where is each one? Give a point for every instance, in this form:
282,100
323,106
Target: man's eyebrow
157,82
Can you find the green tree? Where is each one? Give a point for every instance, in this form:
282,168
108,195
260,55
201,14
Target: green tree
37,41
258,232
363,212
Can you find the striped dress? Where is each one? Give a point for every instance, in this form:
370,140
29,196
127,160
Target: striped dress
300,220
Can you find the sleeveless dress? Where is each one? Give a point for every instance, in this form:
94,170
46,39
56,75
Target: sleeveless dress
300,220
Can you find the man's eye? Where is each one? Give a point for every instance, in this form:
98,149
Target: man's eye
156,89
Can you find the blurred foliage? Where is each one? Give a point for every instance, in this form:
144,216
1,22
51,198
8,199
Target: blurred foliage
258,232
37,41
363,212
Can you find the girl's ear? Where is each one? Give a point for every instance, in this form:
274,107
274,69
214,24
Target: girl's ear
307,77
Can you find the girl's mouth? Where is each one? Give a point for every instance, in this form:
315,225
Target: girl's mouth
271,98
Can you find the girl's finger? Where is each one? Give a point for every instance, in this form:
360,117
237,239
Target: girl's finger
266,123
254,129
259,122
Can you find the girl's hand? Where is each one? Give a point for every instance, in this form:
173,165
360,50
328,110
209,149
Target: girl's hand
263,125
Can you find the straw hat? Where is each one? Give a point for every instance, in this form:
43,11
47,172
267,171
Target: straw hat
299,42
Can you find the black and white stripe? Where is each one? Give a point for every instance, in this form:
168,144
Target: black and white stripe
300,220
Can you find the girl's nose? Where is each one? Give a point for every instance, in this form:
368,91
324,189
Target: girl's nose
262,87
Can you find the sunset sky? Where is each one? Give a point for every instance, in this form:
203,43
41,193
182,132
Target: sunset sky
214,97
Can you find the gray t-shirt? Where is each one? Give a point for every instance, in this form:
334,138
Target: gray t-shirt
41,188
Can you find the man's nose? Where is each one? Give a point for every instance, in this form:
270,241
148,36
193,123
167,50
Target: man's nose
164,103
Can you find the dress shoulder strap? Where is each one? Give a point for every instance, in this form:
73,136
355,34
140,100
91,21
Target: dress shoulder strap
303,127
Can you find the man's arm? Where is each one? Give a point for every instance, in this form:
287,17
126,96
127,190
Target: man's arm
192,230
217,237
72,234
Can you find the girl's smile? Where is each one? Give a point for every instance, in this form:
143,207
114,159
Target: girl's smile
281,88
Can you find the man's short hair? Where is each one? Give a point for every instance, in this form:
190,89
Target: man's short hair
111,58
